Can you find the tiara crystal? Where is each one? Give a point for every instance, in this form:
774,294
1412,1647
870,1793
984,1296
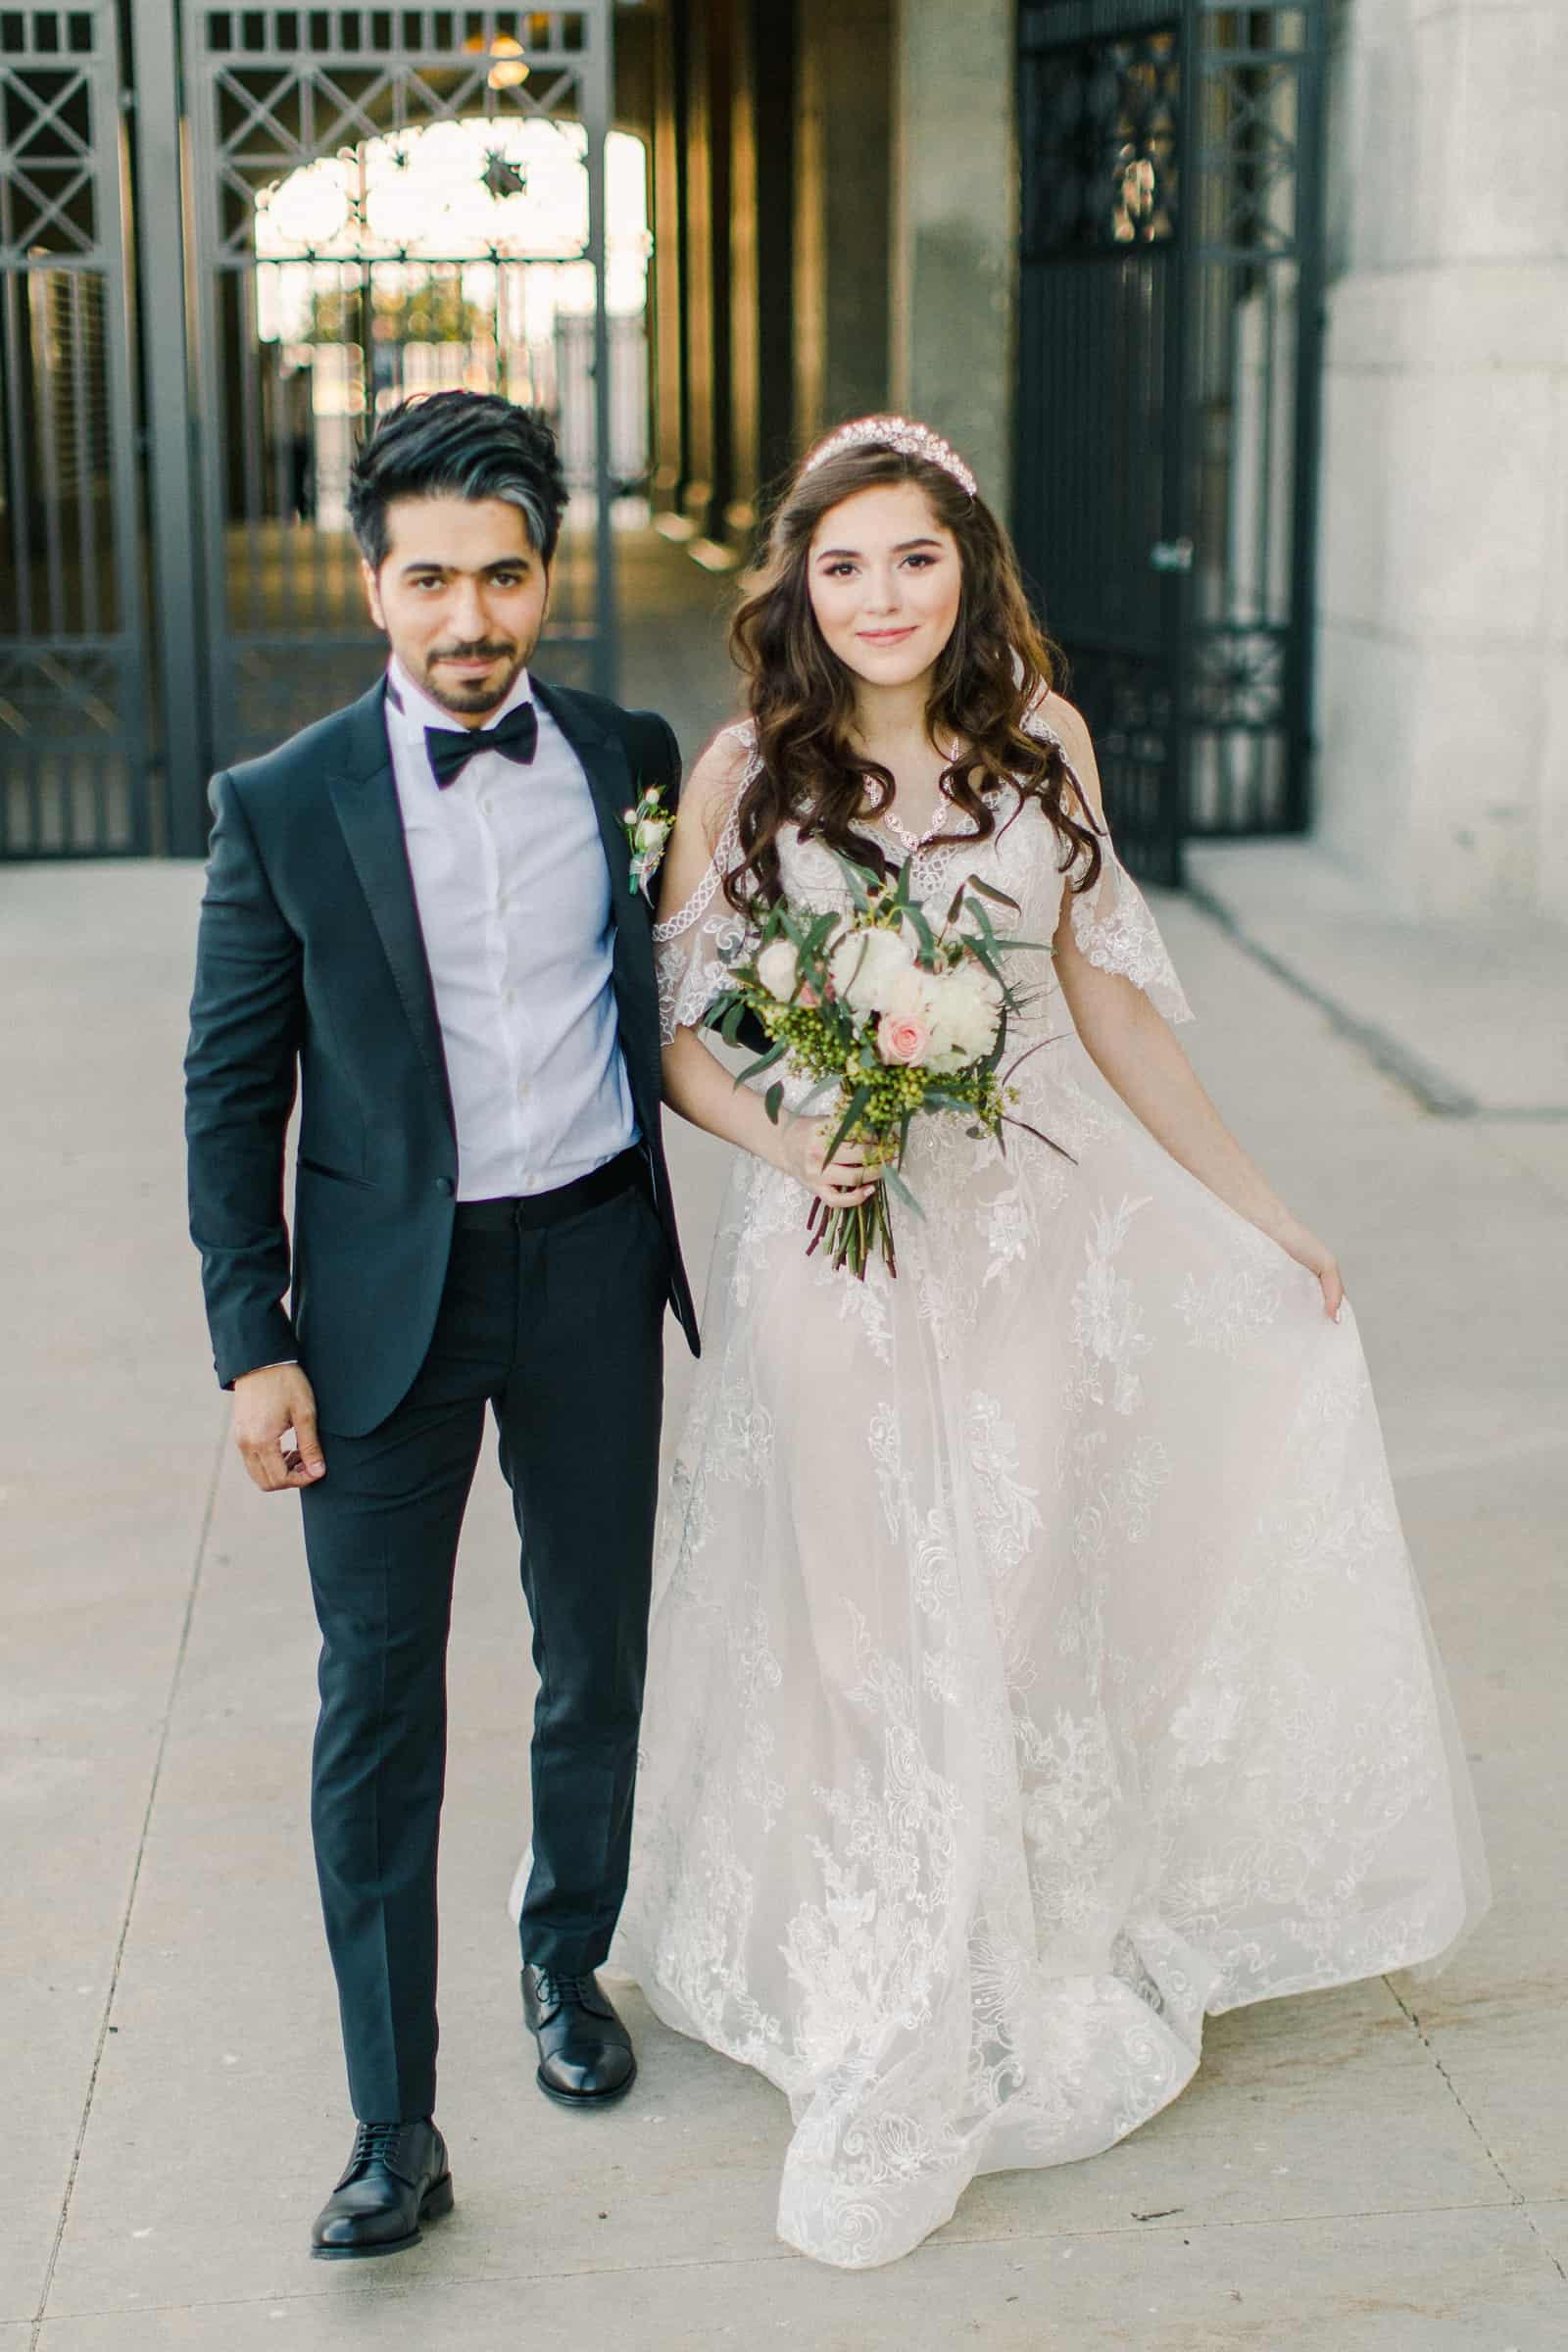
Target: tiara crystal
901,433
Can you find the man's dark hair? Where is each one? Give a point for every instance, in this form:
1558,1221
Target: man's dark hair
458,445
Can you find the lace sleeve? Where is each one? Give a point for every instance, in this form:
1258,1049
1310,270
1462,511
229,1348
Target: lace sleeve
1111,924
1116,931
694,948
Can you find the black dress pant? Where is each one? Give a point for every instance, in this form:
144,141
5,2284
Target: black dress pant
558,1327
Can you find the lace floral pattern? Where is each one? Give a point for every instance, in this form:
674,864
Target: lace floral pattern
1036,1663
1111,926
694,947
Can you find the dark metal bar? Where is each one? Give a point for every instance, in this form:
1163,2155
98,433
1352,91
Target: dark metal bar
596,87
182,638
1176,586
241,287
87,498
1301,647
41,288
17,346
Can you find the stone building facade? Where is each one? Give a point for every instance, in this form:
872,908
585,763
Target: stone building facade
853,240
1443,673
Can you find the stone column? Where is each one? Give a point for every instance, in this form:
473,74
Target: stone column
668,321
840,210
704,260
761,290
1443,699
955,228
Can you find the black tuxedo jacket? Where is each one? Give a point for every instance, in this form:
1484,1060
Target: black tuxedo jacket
311,969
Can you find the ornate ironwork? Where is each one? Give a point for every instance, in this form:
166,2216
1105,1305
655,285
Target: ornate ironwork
1102,123
1169,355
321,295
74,752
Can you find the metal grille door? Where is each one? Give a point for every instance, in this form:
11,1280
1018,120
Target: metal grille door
1168,398
1099,484
1253,404
386,202
74,751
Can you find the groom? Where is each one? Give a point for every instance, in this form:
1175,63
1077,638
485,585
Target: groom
420,912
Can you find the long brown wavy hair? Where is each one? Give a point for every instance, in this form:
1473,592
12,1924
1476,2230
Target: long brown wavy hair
992,670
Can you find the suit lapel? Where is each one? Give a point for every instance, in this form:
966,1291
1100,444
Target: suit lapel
364,797
610,779
613,788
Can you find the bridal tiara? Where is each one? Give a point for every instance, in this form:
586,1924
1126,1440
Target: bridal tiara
901,433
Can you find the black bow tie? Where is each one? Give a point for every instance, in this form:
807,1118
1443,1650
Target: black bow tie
450,749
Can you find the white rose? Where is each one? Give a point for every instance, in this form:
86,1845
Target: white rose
778,967
866,964
651,832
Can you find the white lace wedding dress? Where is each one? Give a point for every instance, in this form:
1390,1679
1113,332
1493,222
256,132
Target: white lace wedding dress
1036,1660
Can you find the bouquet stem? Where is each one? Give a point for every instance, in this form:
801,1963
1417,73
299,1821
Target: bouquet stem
851,1235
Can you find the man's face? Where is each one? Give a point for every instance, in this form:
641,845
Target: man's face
463,596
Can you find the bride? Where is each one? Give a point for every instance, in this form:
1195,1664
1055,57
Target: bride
1036,1662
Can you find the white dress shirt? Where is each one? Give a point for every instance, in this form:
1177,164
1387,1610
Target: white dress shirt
512,890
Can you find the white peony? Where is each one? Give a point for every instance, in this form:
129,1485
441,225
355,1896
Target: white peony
965,1010
778,967
867,965
910,996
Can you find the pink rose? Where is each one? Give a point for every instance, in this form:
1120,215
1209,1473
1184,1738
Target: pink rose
902,1037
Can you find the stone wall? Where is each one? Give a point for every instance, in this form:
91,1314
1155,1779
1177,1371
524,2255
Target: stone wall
955,228
1442,690
843,130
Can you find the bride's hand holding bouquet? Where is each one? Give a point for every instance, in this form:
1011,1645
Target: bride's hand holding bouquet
892,1015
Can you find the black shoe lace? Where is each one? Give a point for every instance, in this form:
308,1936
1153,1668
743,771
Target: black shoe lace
553,1990
375,2143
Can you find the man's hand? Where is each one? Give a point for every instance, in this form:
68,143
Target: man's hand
270,1405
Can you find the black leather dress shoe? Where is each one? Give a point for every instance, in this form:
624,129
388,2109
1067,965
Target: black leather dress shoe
397,2177
585,2052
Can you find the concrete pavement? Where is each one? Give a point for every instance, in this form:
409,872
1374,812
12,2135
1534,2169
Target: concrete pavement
1382,2169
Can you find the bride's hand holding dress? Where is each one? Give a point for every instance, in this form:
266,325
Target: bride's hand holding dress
1135,1052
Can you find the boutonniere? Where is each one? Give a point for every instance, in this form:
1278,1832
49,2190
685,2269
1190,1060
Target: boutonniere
648,828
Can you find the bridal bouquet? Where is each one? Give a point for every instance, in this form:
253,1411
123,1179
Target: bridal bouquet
894,1015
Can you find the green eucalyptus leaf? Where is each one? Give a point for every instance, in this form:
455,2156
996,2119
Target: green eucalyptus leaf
766,1062
976,908
923,933
858,881
900,1190
858,1102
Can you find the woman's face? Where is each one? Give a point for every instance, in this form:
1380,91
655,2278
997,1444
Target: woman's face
885,579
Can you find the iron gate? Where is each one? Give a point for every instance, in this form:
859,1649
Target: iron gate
74,738
1169,330
323,292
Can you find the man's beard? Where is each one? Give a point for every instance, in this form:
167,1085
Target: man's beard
473,696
